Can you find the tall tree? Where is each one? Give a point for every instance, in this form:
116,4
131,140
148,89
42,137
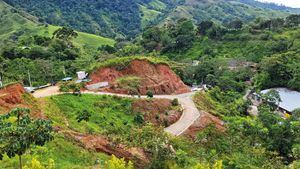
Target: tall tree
204,26
65,33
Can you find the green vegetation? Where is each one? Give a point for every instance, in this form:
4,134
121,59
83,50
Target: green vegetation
123,62
18,24
264,52
130,84
223,50
148,15
115,163
149,94
127,18
71,87
108,115
175,102
19,132
62,153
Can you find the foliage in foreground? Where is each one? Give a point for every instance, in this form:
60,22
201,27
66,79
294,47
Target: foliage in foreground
18,132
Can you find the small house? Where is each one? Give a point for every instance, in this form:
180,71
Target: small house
290,100
81,75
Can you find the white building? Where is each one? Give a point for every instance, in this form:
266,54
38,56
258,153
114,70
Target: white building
290,100
81,75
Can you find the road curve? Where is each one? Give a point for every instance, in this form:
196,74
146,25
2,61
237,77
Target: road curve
189,116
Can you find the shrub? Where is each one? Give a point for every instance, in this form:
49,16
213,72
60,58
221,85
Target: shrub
71,87
149,94
129,83
115,163
175,102
84,115
139,119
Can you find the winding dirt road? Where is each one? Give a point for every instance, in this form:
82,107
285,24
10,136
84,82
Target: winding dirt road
189,116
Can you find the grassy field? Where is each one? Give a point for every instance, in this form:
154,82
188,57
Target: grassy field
109,115
83,39
148,15
16,23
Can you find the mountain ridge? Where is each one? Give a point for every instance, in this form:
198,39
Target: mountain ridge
127,18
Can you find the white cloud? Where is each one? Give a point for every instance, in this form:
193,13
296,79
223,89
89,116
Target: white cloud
289,3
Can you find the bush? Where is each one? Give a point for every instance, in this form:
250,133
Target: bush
83,115
71,87
175,102
149,94
139,119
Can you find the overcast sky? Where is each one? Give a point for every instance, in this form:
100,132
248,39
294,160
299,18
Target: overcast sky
290,3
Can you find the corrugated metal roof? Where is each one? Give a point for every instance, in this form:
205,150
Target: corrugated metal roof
290,99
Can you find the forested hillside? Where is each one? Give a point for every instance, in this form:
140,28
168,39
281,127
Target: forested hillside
28,44
120,19
226,51
271,47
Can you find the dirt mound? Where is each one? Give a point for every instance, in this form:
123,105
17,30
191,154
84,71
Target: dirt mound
202,122
158,78
13,96
101,144
158,111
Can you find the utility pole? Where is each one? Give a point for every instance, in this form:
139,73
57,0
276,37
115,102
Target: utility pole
1,83
64,71
29,78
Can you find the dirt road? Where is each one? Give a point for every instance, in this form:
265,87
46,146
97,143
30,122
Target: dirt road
189,116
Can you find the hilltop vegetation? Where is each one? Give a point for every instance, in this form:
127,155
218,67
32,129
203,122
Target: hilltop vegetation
123,62
28,45
121,19
215,44
16,24
232,52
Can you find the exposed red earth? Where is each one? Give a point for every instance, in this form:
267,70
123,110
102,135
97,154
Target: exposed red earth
202,122
101,144
158,111
158,78
14,95
11,95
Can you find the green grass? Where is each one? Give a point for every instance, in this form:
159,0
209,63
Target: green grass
84,40
109,115
26,25
65,153
12,21
125,61
148,16
157,5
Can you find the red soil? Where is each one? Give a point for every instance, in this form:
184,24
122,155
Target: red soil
157,111
11,97
202,122
101,144
158,78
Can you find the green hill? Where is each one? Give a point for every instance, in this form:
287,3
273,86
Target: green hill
127,18
16,24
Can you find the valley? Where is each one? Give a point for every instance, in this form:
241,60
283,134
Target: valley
149,84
